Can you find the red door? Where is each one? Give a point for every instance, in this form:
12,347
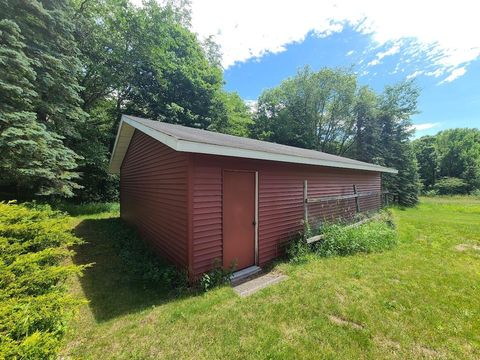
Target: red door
238,219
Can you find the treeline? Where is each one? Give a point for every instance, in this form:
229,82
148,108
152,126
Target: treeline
70,68
327,110
449,162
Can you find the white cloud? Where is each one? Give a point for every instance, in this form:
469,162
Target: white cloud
425,126
350,53
454,75
252,104
373,62
415,74
446,31
392,51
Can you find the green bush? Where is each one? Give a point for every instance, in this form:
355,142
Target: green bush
298,250
475,193
34,303
430,193
451,186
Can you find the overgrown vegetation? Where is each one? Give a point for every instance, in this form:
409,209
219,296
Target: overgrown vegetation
142,263
34,303
376,235
216,277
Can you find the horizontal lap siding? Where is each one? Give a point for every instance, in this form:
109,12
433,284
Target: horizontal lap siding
280,202
207,217
280,210
153,196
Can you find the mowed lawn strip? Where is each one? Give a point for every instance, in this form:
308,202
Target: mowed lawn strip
419,300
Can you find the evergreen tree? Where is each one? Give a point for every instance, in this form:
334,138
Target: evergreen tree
47,30
366,125
32,159
397,104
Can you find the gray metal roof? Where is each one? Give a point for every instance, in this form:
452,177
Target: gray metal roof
188,139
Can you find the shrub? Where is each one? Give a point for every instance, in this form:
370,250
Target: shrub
298,250
451,186
34,303
475,193
430,193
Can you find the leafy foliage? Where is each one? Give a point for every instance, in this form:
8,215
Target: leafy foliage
450,186
34,303
218,276
327,111
451,157
311,110
145,61
234,116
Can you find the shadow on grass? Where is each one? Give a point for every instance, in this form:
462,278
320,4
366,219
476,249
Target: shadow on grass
114,285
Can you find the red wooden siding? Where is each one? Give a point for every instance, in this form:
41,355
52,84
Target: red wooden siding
280,202
206,217
154,196
175,200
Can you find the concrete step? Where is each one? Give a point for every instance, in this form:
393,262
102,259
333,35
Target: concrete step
241,275
257,283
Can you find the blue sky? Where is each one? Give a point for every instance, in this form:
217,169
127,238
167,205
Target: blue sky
442,105
264,42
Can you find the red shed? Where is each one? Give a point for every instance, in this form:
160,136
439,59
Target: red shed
197,196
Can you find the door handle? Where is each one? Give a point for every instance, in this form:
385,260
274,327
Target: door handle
254,223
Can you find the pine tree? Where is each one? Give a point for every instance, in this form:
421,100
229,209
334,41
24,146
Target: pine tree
32,159
47,30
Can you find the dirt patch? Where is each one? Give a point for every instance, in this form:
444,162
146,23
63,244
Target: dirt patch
428,352
466,247
344,322
340,297
387,343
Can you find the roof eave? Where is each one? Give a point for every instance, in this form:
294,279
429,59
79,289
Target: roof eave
125,132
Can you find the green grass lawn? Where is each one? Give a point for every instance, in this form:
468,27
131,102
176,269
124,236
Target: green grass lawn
420,300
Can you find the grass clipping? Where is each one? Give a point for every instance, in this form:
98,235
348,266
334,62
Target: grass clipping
376,235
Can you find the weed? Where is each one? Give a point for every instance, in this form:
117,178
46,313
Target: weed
218,276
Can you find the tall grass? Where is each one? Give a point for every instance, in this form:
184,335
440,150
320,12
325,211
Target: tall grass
86,209
375,236
342,240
